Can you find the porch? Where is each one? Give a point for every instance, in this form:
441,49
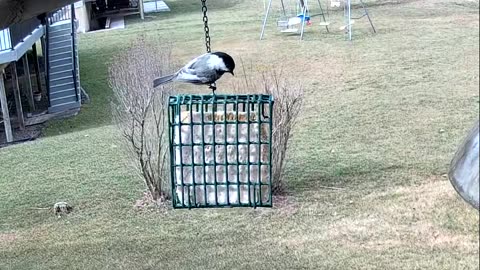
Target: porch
39,76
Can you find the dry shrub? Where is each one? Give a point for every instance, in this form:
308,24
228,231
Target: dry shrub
140,112
288,98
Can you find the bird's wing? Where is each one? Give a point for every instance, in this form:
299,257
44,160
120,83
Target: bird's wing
198,71
190,78
198,61
189,74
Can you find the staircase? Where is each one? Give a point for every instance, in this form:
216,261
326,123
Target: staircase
62,62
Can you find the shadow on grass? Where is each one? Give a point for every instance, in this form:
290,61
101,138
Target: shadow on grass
358,174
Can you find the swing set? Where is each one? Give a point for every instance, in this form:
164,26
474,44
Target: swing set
294,22
289,23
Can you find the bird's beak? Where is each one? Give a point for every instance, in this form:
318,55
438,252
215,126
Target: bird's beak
231,72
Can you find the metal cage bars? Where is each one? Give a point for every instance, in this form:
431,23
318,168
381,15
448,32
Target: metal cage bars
212,163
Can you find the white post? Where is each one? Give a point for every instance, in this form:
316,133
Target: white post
140,6
5,112
349,14
265,19
304,14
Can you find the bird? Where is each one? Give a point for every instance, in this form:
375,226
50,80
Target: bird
205,69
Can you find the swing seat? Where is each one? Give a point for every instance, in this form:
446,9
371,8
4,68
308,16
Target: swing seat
282,24
285,26
324,23
294,21
290,30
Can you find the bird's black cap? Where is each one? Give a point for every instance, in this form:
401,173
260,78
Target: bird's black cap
227,59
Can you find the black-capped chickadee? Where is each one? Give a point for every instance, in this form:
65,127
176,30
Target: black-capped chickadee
205,69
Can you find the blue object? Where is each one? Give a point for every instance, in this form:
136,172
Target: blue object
303,17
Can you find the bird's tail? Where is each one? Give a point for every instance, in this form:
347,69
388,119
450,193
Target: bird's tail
163,80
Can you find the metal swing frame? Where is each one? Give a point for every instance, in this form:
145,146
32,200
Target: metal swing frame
347,11
305,10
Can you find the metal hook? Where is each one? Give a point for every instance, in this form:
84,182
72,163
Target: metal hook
213,86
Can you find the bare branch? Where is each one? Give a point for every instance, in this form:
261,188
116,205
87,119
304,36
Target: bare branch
288,103
139,111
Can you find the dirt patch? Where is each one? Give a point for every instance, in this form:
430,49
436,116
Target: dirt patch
406,217
7,238
30,133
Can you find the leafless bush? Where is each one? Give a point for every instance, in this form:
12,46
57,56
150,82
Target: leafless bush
140,112
288,99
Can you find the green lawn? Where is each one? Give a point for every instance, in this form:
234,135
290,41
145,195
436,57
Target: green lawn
382,118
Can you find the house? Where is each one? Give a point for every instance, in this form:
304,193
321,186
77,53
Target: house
39,67
39,70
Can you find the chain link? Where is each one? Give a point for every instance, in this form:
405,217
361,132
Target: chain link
205,21
213,86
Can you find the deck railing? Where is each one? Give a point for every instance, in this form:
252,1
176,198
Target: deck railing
61,14
16,33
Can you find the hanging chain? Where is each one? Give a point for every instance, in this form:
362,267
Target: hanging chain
205,21
213,86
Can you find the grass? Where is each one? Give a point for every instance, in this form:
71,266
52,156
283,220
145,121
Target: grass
382,119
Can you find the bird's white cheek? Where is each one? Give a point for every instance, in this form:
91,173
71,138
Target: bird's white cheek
221,66
217,63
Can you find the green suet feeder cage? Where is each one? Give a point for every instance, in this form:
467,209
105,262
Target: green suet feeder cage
221,150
